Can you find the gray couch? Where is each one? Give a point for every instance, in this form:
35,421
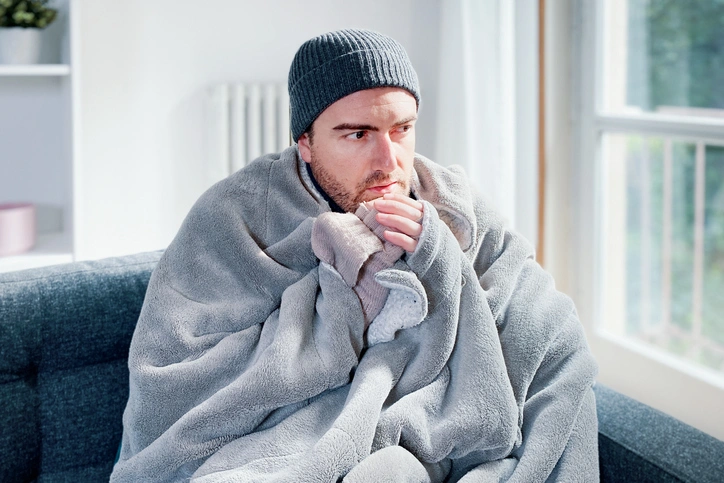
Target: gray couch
64,337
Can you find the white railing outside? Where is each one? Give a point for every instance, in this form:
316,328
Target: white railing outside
663,330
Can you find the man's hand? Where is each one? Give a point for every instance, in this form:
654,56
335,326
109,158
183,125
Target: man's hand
403,216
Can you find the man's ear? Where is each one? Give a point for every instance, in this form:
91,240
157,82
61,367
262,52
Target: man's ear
304,149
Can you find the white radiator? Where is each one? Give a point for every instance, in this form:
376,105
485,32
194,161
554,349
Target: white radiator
245,121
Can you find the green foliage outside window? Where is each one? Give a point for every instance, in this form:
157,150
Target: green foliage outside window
676,53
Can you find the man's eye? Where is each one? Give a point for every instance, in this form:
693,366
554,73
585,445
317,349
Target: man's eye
357,135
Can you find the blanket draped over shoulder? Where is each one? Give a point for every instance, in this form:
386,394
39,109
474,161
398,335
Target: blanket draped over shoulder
250,360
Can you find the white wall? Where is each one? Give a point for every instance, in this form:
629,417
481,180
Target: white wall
143,69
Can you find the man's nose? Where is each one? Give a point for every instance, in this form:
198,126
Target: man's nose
385,159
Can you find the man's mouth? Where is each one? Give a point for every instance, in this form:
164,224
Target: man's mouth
384,188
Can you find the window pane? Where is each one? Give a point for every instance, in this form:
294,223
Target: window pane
713,307
664,245
664,56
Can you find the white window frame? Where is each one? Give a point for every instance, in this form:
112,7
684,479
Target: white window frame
684,390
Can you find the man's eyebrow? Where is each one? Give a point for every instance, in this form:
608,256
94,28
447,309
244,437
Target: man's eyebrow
367,127
406,120
355,127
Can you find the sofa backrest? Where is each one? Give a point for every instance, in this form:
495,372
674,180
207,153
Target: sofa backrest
64,338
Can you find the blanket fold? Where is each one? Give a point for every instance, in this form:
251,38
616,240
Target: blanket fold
251,361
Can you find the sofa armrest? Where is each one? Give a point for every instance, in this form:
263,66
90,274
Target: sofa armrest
640,444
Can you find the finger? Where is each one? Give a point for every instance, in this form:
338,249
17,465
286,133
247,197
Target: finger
399,208
395,197
400,223
404,199
401,240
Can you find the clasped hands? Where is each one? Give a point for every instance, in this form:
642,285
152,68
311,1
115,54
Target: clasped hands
403,216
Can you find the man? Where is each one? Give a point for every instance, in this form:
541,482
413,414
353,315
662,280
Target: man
349,309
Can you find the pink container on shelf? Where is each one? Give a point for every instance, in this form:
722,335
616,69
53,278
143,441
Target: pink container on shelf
17,228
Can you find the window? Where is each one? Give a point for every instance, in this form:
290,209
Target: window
650,157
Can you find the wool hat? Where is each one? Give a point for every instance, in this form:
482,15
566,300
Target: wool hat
336,64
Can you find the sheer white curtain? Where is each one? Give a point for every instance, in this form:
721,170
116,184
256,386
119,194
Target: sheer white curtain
477,97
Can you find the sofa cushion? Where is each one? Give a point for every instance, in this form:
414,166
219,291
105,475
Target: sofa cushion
64,337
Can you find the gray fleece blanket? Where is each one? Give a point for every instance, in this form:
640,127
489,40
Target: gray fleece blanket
250,360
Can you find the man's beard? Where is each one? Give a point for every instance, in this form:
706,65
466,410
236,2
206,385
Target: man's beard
349,201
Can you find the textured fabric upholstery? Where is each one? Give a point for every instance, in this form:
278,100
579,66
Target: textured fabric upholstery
64,337
640,444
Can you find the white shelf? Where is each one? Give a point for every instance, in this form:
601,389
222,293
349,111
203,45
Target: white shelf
50,249
34,70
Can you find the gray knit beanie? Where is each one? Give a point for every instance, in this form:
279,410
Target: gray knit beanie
336,64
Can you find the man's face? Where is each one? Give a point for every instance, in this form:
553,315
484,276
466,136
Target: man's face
363,146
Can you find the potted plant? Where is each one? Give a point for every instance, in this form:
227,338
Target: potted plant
20,24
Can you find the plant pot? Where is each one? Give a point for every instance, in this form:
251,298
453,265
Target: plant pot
17,228
19,45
